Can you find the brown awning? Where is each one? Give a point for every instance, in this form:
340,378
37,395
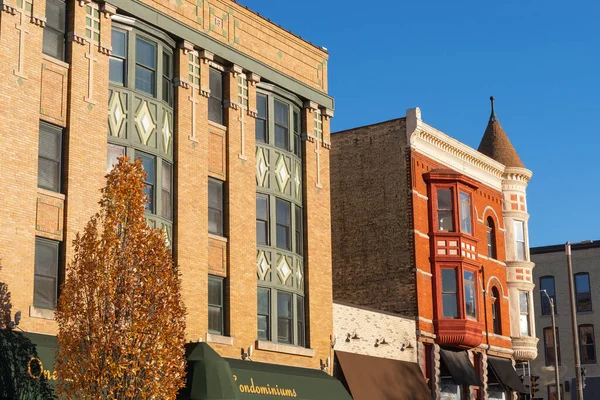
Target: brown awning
374,378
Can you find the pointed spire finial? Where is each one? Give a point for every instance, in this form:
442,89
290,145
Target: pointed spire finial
493,114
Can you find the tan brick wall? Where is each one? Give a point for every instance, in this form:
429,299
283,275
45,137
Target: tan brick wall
370,326
207,150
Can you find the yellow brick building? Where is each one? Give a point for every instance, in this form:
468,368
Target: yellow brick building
230,115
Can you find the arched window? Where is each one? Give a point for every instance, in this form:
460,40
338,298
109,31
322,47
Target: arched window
497,324
491,237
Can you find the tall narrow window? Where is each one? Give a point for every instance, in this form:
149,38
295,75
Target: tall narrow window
583,296
285,333
297,137
261,118
284,223
215,207
262,219
55,28
45,284
470,297
520,252
167,191
524,313
150,181
587,344
547,284
145,66
300,322
465,213
264,314
299,241
216,320
449,308
549,346
497,324
491,237
167,75
118,57
282,121
215,101
445,210
49,157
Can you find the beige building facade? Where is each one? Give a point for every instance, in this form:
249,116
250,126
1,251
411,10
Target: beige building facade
551,275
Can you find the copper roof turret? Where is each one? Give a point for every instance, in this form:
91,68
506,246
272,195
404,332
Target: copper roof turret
495,144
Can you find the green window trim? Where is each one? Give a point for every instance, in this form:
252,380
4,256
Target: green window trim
282,313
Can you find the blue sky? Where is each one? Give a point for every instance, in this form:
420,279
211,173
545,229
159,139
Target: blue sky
540,59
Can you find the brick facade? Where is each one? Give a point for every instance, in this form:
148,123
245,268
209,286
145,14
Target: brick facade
74,94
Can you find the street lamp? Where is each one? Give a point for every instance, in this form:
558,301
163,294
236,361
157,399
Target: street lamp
556,377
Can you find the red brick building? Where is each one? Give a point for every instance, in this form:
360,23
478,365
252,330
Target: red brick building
425,226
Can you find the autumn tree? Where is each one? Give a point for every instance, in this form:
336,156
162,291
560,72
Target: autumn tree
120,316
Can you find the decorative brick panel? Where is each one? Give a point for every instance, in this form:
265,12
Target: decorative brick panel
216,152
217,256
49,217
53,107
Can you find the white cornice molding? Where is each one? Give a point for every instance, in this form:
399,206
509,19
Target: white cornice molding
440,147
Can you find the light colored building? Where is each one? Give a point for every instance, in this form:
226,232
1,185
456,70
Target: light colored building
551,275
230,115
427,227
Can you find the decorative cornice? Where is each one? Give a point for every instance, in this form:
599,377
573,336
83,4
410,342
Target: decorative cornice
253,78
517,174
524,348
178,82
38,20
327,113
108,10
186,46
9,9
206,56
235,70
435,144
311,105
72,37
204,92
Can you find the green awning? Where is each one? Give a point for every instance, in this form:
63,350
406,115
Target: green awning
211,377
257,381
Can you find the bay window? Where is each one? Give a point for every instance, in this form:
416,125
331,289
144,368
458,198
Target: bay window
449,299
524,325
465,213
470,302
520,250
445,213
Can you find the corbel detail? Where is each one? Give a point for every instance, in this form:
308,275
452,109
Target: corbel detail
37,20
252,78
231,104
108,9
236,70
311,105
9,9
327,113
204,92
307,137
73,37
104,50
325,144
83,2
252,112
186,46
206,56
178,82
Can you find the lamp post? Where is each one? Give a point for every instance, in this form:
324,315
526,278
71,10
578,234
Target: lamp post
579,381
556,376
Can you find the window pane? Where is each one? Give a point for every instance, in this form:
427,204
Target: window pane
49,157
284,330
283,220
145,53
261,130
215,194
282,137
449,309
216,84
49,175
45,274
262,208
262,220
112,158
117,70
261,106
470,302
523,302
284,305
44,292
465,212
144,80
263,327
166,65
263,302
547,284
119,43
215,318
215,110
582,292
281,114
519,232
167,188
148,166
299,234
445,211
264,311
215,287
448,280
53,43
587,344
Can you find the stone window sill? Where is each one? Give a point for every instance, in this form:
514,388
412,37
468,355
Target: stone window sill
42,313
217,237
219,339
217,125
284,348
50,193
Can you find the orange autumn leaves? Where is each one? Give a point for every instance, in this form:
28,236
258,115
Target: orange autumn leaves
120,315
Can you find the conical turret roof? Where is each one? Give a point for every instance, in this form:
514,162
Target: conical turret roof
495,143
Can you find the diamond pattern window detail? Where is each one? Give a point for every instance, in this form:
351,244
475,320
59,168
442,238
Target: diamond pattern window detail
262,266
145,123
297,180
282,174
283,269
116,114
166,131
262,167
299,273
